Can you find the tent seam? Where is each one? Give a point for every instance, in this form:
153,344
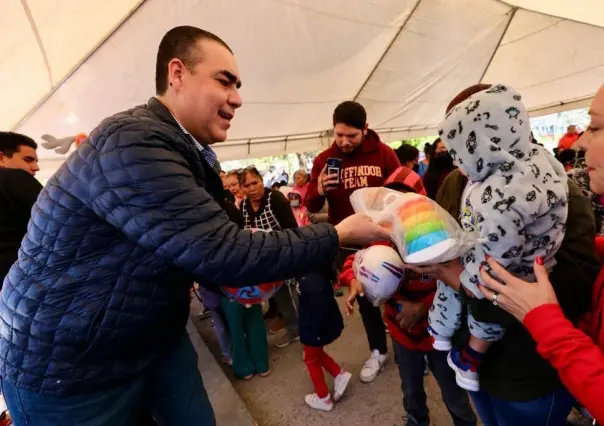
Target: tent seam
34,28
505,30
394,39
507,3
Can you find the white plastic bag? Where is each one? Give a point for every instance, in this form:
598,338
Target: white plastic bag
378,203
381,272
424,233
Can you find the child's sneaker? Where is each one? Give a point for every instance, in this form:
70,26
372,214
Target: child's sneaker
340,383
373,366
441,343
466,374
313,401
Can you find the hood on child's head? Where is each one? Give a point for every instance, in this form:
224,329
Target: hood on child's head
405,179
488,131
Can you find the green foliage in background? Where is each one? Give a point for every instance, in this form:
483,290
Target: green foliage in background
547,129
416,142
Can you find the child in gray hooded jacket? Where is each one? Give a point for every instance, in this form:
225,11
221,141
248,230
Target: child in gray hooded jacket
516,199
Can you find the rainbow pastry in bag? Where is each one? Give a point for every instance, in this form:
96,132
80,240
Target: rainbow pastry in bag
421,233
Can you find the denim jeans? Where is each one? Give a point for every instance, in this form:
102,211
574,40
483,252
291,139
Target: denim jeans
411,370
222,332
172,391
550,410
374,325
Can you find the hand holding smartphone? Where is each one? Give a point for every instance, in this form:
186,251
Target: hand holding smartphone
330,178
334,167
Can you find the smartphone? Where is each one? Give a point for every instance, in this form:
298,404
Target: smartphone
334,167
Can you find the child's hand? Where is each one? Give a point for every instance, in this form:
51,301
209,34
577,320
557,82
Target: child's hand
356,289
411,313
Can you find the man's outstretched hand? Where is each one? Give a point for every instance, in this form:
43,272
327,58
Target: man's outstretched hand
360,230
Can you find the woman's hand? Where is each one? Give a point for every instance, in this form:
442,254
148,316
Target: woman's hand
410,314
447,272
356,289
517,296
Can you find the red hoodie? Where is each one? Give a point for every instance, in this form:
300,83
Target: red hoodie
367,166
579,362
416,288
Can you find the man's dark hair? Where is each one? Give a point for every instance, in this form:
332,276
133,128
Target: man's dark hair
406,153
10,142
180,42
350,113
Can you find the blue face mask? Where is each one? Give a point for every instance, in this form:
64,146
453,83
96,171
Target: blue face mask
294,203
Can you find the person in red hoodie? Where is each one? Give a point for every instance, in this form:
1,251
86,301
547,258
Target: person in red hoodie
364,162
569,139
571,351
406,315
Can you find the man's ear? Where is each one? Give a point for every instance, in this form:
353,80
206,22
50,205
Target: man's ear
175,72
365,129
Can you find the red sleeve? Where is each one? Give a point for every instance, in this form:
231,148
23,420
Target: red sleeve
313,201
347,274
600,248
390,160
579,362
427,301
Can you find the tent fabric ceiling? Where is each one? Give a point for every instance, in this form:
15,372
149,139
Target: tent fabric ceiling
68,64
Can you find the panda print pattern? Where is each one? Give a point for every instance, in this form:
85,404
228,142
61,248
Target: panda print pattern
516,198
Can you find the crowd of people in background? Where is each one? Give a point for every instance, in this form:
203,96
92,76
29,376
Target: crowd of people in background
437,176
92,265
402,169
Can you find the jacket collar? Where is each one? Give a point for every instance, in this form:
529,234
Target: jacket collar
162,112
165,115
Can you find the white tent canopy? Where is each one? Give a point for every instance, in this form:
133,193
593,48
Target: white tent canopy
67,64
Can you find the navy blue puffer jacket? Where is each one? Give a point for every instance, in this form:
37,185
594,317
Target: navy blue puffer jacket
118,235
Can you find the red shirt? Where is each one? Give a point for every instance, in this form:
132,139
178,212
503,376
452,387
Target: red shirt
579,362
368,166
416,289
568,140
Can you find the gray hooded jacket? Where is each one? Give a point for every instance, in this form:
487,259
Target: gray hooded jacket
517,195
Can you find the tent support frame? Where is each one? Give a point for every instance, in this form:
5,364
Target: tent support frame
505,30
34,29
77,66
398,33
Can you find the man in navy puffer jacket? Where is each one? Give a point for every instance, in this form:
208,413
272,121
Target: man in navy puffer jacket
92,315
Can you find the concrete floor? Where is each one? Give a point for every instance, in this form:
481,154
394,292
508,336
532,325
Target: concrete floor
277,400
